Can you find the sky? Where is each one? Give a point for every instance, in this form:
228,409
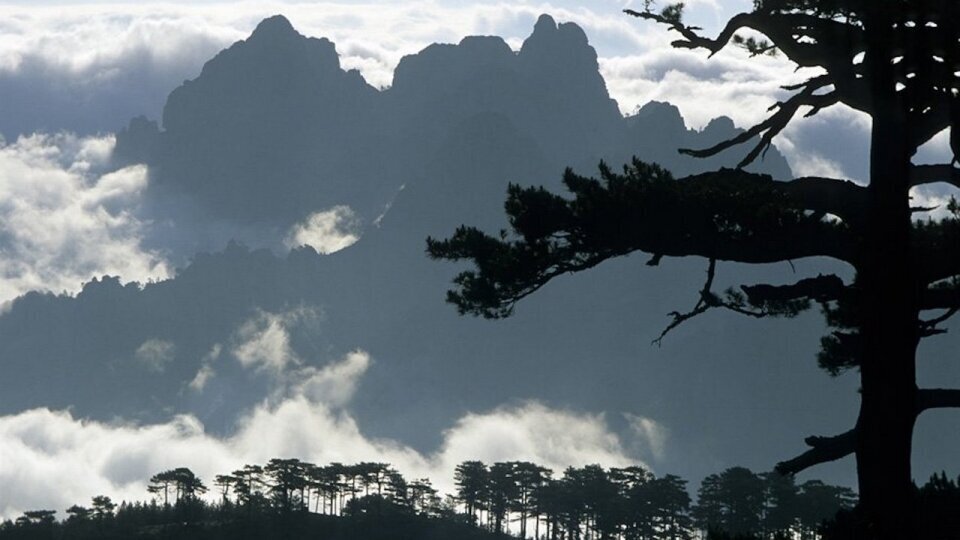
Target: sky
72,74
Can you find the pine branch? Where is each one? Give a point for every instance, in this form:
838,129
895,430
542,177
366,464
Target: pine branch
706,301
937,398
822,450
937,258
929,174
945,298
809,41
826,449
752,219
841,198
932,110
822,288
942,318
773,125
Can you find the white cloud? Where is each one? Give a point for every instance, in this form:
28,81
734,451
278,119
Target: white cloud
936,150
155,354
62,221
206,371
936,197
203,376
737,85
649,434
301,428
263,342
50,459
815,165
92,68
807,163
264,345
327,231
833,143
532,431
334,384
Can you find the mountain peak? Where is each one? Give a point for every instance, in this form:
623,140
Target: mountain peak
720,125
562,42
545,24
660,111
278,25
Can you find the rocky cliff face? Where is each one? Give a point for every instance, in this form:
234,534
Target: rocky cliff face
268,128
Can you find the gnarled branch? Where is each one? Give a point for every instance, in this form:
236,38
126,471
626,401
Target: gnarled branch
808,40
773,125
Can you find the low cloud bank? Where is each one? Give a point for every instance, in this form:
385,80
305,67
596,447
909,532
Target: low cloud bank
51,459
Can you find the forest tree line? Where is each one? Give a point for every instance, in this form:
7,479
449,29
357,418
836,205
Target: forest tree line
515,498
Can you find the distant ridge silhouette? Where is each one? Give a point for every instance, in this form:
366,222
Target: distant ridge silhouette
273,128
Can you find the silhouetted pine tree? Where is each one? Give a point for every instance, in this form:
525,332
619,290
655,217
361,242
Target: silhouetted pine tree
896,62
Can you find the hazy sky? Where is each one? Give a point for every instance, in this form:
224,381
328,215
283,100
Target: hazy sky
72,73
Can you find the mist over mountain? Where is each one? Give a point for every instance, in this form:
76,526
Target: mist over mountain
274,131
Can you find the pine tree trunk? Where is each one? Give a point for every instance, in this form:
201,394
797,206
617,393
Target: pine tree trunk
889,300
885,424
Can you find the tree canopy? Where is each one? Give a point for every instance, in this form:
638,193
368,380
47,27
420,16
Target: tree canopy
507,499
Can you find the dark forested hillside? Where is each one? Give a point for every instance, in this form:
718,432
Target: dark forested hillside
289,498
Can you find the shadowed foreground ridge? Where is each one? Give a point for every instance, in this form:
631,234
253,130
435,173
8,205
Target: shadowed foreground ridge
894,61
